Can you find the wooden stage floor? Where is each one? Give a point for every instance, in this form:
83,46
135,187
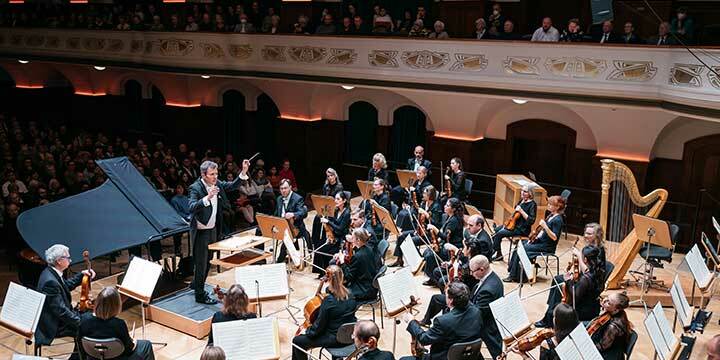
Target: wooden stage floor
304,284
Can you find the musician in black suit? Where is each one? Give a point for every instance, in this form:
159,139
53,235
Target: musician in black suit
380,195
450,231
474,243
378,169
58,318
360,271
463,323
430,210
526,211
291,206
488,289
208,198
331,187
337,308
366,336
398,194
338,226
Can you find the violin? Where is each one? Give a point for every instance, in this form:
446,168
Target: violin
218,292
86,302
293,229
422,218
434,242
598,323
574,268
312,307
329,234
533,341
454,268
534,234
512,221
348,252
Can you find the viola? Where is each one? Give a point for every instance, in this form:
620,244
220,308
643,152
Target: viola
574,268
454,268
534,234
598,323
86,302
312,307
434,242
348,252
533,341
512,221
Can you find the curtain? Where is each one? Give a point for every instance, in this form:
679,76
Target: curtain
233,115
360,133
408,131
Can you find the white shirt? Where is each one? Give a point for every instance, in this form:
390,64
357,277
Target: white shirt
211,202
552,35
286,201
605,38
480,34
417,164
60,273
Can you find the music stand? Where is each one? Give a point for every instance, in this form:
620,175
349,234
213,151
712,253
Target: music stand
273,227
385,218
324,205
406,177
365,188
651,231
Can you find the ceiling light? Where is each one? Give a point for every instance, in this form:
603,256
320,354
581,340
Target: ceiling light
519,101
347,87
23,61
205,76
99,68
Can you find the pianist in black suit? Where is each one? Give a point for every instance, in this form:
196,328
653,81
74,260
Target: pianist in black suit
207,200
462,323
363,266
366,335
337,308
291,206
58,318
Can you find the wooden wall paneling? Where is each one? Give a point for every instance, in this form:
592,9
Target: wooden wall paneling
459,16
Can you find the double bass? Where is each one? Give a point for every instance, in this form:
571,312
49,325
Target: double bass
86,302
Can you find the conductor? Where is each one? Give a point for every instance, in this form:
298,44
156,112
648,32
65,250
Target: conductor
207,199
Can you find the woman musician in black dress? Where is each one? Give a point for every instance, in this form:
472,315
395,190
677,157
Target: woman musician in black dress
378,169
331,187
545,240
430,210
566,321
520,223
338,225
456,178
382,197
611,330
450,231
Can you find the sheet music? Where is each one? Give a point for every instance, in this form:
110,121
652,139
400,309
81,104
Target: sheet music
716,225
27,357
664,326
584,343
291,249
680,302
656,336
396,289
22,307
252,339
410,254
141,276
238,241
272,279
697,266
525,261
567,350
510,314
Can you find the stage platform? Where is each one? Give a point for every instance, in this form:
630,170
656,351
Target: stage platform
186,347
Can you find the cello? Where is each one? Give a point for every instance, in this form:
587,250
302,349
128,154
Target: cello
310,311
86,302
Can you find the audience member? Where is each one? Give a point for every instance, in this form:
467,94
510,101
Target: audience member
607,36
267,22
327,27
546,32
573,32
244,26
439,32
405,24
301,26
287,173
347,27
663,37
683,26
191,24
481,33
508,32
382,22
629,36
359,27
496,20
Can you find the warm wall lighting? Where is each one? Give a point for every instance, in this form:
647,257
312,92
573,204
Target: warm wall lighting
99,68
458,137
78,1
173,1
170,103
622,156
347,87
205,76
29,86
299,118
519,101
90,93
23,61
17,1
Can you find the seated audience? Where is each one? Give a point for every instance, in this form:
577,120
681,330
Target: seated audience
508,32
347,26
301,26
359,27
663,37
607,36
683,26
405,24
418,30
244,26
546,32
629,35
481,32
496,20
382,22
327,27
439,32
573,32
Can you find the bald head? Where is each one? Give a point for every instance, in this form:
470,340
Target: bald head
366,333
713,348
419,152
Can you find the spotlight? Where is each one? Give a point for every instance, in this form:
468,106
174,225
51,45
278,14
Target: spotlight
519,101
23,61
99,68
347,87
205,76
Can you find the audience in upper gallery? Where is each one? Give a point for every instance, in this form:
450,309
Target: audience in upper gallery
41,163
356,18
439,32
663,37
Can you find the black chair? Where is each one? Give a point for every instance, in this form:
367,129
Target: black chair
382,249
468,186
343,337
465,351
565,194
103,349
394,210
631,344
546,264
655,255
378,299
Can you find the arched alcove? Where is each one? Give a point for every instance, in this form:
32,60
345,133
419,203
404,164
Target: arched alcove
236,140
408,131
542,147
360,132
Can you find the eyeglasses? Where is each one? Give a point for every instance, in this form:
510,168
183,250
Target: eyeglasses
68,258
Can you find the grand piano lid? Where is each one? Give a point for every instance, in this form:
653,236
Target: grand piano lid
124,211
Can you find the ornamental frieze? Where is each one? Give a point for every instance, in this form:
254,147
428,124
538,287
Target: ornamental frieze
521,65
211,50
383,58
72,43
93,44
469,62
34,40
632,71
307,54
273,53
115,45
52,42
714,78
425,59
174,47
575,67
686,75
240,51
342,57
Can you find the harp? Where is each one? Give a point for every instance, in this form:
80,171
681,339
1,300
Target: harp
620,199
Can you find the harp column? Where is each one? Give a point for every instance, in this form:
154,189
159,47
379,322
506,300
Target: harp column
606,166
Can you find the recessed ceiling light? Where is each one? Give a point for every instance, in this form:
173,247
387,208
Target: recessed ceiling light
23,61
99,68
519,101
205,76
347,87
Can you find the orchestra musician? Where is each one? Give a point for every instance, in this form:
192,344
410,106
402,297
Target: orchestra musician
358,220
612,329
546,238
565,320
431,210
378,169
291,206
457,180
207,199
359,271
593,236
235,307
331,187
103,323
451,232
213,353
366,336
462,323
398,194
404,218
582,293
337,308
488,289
380,195
526,211
472,246
339,224
58,318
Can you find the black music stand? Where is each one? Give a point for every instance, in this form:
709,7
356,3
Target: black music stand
651,231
